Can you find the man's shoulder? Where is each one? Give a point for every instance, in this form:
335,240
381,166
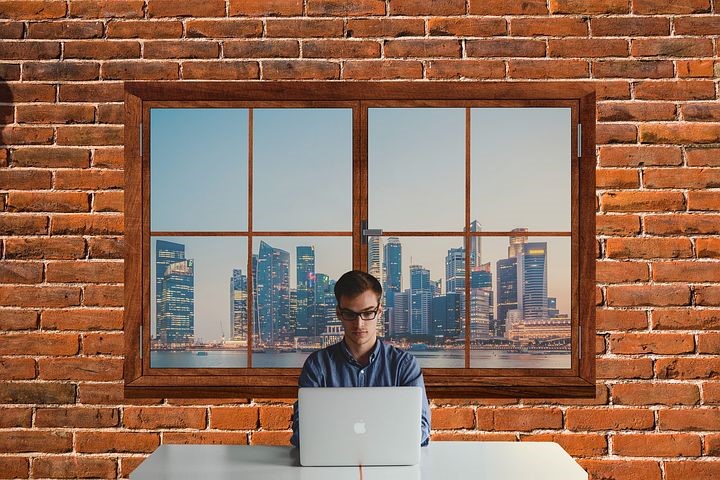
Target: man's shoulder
397,354
323,354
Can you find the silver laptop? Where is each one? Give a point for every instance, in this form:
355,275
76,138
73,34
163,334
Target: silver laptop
360,426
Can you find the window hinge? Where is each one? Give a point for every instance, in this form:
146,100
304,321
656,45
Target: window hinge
579,140
369,232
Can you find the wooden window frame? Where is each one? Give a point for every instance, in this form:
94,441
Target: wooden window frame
577,381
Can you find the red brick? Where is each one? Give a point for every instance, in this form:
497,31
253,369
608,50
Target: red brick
270,438
103,296
642,201
462,69
617,224
234,418
90,135
44,247
261,48
275,417
656,445
625,469
61,71
648,295
711,392
20,272
694,68
79,368
703,157
266,8
689,420
9,72
682,132
27,135
37,392
140,70
158,49
341,8
116,442
501,7
424,7
25,441
32,9
674,90
636,111
687,368
21,179
686,272
164,417
384,27
683,470
712,445
231,28
89,179
471,436
422,48
108,202
607,319
649,248
654,7
106,8
15,467
705,247
40,201
671,47
206,438
467,27
549,26
18,319
548,69
27,92
82,319
685,224
187,8
617,178
573,443
703,112
74,467
102,49
73,29
103,344
621,272
615,133
614,368
92,92
11,417
77,417
587,47
630,26
23,224
108,158
39,344
633,69
340,49
57,113
686,319
527,419
145,29
589,7
87,224
505,47
102,393
655,393
300,70
381,69
663,344
453,418
15,368
696,25
111,113
112,247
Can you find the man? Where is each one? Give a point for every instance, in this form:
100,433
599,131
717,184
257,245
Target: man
361,359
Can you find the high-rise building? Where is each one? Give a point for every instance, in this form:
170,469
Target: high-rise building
238,305
305,271
552,307
165,254
534,280
475,245
420,300
455,270
392,266
374,267
273,277
482,320
176,310
323,309
448,322
507,292
399,323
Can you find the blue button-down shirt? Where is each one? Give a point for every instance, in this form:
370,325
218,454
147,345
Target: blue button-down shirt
334,366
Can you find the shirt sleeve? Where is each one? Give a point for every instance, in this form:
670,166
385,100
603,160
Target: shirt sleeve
411,375
309,377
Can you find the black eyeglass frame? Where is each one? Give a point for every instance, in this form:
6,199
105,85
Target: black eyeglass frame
342,311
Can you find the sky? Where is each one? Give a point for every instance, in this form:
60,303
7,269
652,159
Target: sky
302,166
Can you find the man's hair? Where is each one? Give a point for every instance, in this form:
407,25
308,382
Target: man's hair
354,283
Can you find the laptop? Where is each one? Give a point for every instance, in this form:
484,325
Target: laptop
360,426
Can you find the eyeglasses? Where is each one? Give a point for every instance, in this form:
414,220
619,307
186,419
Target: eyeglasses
349,315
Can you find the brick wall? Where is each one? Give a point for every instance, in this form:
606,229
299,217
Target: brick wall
654,63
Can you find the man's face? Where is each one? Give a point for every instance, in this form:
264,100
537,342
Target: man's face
358,332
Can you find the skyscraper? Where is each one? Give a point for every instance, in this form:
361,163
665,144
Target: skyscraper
392,266
399,321
176,309
238,305
374,267
475,245
273,277
481,302
420,300
507,292
534,284
165,254
305,270
455,270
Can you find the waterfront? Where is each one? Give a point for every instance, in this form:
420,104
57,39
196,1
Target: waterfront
427,359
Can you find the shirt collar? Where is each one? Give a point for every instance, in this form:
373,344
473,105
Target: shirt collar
351,359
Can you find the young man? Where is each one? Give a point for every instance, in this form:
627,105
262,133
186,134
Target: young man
361,359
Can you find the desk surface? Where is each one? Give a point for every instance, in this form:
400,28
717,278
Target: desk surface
439,460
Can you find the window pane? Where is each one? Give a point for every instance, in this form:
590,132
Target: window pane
302,169
294,307
520,168
530,287
198,165
198,291
416,169
423,282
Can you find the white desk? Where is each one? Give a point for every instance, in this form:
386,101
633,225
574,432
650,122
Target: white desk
439,460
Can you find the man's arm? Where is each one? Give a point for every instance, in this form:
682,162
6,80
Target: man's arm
411,375
309,377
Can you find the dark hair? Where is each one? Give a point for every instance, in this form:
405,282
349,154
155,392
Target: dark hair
356,282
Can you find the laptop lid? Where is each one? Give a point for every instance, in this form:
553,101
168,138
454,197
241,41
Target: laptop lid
360,425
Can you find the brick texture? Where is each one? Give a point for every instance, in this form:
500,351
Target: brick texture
654,65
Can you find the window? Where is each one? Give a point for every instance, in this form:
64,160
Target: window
473,203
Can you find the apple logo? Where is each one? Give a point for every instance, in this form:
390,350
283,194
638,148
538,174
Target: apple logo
359,427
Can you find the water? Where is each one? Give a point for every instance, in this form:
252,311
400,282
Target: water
427,359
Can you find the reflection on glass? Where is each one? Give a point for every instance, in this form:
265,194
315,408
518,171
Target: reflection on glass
199,307
294,300
302,169
520,168
199,165
528,280
416,168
